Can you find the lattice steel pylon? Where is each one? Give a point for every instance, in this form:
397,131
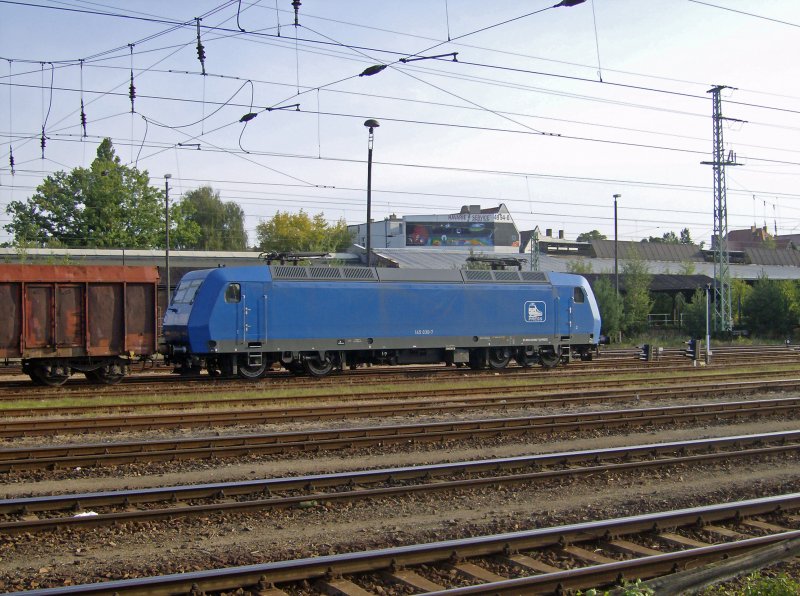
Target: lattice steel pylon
723,317
535,249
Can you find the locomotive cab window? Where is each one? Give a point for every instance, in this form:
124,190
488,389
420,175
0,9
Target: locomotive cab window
186,291
578,296
233,293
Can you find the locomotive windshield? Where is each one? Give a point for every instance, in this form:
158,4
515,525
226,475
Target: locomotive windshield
186,291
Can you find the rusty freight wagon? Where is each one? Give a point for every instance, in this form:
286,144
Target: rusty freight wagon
59,319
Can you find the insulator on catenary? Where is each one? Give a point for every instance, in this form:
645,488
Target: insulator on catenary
201,51
132,93
83,119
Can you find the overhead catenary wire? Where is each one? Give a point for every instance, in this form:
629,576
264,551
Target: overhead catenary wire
319,115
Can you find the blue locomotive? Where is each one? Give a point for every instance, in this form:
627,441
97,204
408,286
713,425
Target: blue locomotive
315,320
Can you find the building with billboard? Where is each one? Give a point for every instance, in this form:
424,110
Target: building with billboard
472,227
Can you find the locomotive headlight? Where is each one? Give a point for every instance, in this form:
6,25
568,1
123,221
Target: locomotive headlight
212,346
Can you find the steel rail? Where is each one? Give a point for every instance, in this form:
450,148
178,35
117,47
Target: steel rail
524,397
13,390
607,574
98,454
437,553
661,455
544,384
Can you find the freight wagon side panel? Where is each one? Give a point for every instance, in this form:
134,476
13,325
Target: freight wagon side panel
140,318
38,317
11,320
106,319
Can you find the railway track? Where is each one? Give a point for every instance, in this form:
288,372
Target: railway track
400,403
472,383
164,381
542,560
106,454
36,514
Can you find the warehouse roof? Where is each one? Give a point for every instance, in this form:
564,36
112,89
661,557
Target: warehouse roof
647,251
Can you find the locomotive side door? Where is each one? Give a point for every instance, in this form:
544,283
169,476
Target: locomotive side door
252,317
564,307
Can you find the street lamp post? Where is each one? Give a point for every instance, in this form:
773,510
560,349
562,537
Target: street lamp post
371,124
616,267
166,218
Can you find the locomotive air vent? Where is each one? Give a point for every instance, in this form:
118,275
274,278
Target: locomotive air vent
534,276
362,273
477,275
284,272
506,275
325,273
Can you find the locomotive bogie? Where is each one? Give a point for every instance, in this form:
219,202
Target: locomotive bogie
318,320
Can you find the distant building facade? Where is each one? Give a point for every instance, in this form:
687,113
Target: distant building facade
472,227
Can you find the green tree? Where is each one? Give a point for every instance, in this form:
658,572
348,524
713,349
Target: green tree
579,266
299,232
106,205
771,307
209,223
740,290
593,235
686,237
694,314
637,302
610,305
666,238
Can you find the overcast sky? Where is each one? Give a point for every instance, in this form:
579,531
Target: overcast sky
550,110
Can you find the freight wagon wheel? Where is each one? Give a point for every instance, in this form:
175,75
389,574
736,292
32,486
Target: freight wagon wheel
110,374
317,367
549,358
93,376
498,358
53,376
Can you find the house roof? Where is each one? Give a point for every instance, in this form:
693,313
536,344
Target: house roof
647,251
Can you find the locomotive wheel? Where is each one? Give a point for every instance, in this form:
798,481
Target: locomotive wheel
526,361
253,372
549,359
318,368
498,358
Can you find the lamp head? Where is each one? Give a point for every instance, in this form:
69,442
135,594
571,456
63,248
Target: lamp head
371,123
167,176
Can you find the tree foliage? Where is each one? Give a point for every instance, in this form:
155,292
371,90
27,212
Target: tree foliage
771,307
671,238
299,232
637,302
106,205
209,223
694,314
591,235
610,305
579,266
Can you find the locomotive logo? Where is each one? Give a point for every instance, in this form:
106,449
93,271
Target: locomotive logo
535,312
